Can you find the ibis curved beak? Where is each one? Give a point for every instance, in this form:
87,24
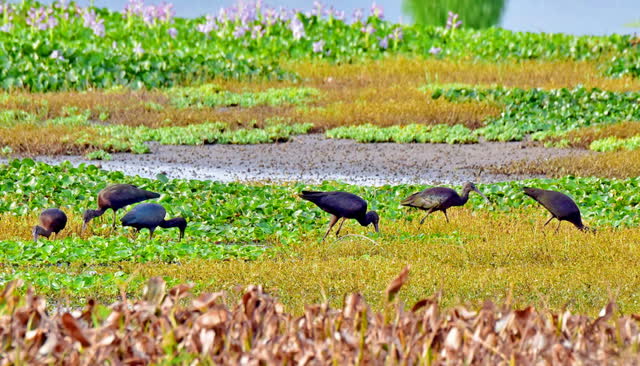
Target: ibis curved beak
481,194
375,226
84,226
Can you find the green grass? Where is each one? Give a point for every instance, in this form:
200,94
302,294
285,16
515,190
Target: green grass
478,256
615,144
211,95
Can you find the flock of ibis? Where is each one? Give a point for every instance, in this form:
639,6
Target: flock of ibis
341,205
116,196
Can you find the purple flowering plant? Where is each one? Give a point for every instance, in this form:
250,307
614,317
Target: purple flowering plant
248,32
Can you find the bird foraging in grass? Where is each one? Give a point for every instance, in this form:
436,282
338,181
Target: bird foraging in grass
440,199
342,205
561,207
150,216
115,197
52,221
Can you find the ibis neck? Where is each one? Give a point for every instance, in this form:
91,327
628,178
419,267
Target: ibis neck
364,221
464,197
178,222
96,213
170,223
40,231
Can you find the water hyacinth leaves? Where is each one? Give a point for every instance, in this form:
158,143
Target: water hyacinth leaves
273,209
50,47
544,113
457,134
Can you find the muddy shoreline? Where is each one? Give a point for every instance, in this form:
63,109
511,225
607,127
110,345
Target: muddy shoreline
314,158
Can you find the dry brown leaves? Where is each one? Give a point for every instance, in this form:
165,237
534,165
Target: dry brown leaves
258,331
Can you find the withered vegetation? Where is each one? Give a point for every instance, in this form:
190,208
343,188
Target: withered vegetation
175,326
33,139
615,164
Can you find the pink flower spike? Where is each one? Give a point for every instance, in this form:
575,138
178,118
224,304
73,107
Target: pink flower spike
137,49
435,50
318,46
377,11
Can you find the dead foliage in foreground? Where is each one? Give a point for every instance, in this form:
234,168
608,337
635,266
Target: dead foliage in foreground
174,326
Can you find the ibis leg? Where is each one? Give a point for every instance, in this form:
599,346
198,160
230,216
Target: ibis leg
548,221
558,227
150,234
114,219
340,226
445,215
332,222
425,216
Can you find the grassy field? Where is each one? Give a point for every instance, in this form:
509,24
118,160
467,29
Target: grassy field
479,255
263,234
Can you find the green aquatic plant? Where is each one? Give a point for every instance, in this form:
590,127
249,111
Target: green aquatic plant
81,48
457,134
545,113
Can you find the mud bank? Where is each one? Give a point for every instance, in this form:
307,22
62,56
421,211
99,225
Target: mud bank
313,158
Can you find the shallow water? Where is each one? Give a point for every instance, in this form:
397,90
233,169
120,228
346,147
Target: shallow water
313,159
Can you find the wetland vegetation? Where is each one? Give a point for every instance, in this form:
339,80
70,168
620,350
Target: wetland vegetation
94,82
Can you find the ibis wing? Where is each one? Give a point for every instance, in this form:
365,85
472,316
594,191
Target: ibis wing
146,214
429,198
341,204
53,219
121,195
558,204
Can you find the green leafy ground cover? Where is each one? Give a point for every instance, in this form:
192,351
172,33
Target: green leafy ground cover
406,134
119,138
536,112
209,95
544,113
232,212
615,144
77,48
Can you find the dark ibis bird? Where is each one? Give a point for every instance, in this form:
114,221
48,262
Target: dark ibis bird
440,199
150,216
561,206
52,220
115,197
342,205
